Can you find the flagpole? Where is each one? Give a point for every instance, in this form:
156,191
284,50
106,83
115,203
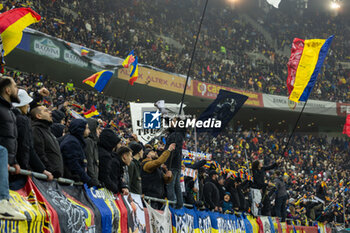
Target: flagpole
195,140
189,71
295,126
192,57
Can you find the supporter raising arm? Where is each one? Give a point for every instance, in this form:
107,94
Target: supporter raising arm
153,176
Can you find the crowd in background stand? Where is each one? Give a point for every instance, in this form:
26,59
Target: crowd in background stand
164,40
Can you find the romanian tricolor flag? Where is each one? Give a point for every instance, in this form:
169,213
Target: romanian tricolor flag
99,80
84,51
12,24
304,64
129,59
114,126
134,72
92,112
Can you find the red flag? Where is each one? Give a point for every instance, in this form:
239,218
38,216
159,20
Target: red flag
346,129
208,69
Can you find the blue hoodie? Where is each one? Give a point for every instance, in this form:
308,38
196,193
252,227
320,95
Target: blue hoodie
72,149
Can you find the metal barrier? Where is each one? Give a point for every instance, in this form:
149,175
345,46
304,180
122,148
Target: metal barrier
72,182
44,177
164,201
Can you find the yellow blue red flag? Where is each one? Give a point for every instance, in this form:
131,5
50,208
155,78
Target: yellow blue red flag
12,24
99,80
129,59
92,112
304,65
134,72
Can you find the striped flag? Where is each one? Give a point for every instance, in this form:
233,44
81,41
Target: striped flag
92,112
12,24
304,65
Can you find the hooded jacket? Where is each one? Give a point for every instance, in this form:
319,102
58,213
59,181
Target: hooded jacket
47,147
111,169
26,156
8,130
91,150
72,148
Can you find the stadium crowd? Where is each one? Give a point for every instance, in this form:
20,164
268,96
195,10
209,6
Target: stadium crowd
163,40
41,129
40,132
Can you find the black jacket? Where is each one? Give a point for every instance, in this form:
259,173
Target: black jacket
8,130
111,169
175,159
47,147
91,150
72,149
211,194
135,176
259,176
26,156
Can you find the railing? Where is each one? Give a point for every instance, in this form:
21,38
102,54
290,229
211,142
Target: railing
44,177
72,182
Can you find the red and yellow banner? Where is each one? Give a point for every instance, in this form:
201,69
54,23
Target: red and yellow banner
208,90
161,80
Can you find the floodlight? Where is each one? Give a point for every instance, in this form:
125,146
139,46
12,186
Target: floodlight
335,5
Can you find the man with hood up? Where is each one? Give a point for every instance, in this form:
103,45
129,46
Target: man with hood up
91,150
111,169
72,148
57,126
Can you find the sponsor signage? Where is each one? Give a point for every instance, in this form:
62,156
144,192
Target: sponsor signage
208,90
158,79
312,106
343,109
46,47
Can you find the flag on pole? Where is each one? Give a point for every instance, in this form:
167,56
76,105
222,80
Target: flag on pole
99,80
92,112
346,129
84,51
12,24
129,59
304,65
223,109
134,72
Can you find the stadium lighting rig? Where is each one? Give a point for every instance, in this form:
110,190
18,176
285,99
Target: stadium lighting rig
334,5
